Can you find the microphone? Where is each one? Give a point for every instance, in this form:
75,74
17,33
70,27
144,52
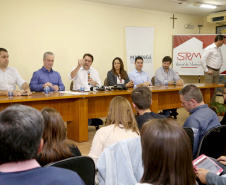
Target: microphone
88,73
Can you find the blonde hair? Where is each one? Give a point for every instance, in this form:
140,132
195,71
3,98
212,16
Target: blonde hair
120,112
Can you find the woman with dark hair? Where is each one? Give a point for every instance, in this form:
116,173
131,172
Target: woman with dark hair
55,147
121,125
166,154
117,75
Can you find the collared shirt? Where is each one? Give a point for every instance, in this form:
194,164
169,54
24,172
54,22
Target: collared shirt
50,175
9,78
19,166
161,75
202,119
43,76
81,79
139,78
212,57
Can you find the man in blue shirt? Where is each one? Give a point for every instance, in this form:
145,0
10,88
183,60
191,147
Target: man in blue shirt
202,118
21,130
138,76
46,76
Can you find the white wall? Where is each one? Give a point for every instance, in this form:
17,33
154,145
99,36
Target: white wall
70,28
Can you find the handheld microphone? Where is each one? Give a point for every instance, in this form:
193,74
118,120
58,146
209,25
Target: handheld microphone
88,73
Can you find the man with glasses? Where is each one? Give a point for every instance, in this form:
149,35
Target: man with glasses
202,118
84,75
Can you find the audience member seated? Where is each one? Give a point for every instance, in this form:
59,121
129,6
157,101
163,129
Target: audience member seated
55,147
121,125
223,121
117,75
166,154
141,98
209,178
21,129
121,163
202,118
138,76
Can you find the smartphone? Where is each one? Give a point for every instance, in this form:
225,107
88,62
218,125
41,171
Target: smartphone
206,163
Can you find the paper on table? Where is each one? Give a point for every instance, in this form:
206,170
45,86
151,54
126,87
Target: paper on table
71,92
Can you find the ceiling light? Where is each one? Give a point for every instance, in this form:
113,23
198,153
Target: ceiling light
205,5
208,6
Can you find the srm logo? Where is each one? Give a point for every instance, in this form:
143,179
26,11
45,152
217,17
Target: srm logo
187,56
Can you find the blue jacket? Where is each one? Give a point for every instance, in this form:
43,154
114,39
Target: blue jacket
121,163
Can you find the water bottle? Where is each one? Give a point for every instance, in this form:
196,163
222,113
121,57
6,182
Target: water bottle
82,89
47,90
166,83
10,93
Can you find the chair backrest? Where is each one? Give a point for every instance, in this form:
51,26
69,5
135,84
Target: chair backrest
71,86
213,143
153,80
106,82
190,134
83,165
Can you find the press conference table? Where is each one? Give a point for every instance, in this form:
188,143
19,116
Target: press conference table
77,109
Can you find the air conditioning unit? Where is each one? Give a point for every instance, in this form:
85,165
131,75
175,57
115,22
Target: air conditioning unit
217,17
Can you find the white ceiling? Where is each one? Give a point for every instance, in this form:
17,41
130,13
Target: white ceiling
173,6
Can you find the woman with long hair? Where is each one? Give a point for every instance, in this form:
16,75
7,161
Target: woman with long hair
117,75
121,124
166,154
55,147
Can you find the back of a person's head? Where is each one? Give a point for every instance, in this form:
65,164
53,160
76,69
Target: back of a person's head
55,147
54,128
120,112
141,97
21,129
166,153
191,92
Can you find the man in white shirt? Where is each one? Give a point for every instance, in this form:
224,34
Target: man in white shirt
84,75
138,76
212,61
9,77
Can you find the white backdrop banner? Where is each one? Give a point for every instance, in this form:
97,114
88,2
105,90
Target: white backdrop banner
139,42
187,53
